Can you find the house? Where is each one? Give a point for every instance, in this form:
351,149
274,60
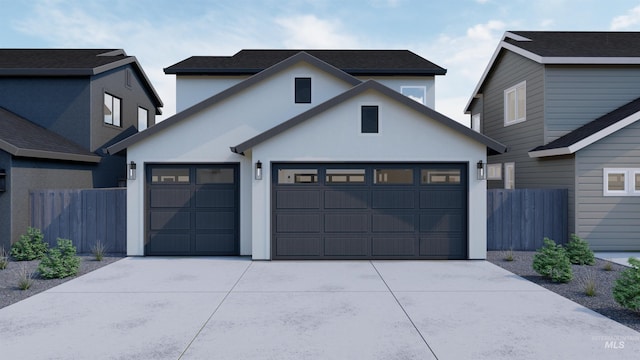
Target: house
307,155
566,105
59,109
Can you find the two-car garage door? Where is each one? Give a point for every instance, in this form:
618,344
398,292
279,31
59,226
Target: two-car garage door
369,211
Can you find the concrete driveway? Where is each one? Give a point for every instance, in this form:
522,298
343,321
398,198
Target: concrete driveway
233,308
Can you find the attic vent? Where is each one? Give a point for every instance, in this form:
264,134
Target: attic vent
127,78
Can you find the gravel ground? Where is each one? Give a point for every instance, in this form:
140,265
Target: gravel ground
574,290
10,293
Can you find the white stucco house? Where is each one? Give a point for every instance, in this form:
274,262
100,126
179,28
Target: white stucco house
319,154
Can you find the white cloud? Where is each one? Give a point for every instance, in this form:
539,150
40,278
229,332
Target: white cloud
482,1
308,31
627,21
484,31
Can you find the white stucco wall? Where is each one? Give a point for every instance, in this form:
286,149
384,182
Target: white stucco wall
334,136
207,136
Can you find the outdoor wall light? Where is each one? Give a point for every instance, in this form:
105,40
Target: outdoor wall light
3,180
481,174
258,170
131,171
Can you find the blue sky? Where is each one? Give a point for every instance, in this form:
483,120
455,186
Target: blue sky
459,35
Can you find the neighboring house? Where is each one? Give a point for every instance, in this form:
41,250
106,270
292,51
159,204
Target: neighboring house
59,110
565,104
288,155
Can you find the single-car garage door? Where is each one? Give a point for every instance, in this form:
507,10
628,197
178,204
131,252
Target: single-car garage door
192,210
369,211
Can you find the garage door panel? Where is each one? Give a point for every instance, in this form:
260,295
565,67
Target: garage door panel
393,199
224,244
443,220
167,243
347,246
441,199
170,220
394,223
298,246
170,198
393,246
346,199
448,245
298,199
216,220
347,223
216,198
302,223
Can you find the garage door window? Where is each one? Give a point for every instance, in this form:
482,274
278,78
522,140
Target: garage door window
440,176
297,176
345,176
393,176
214,176
170,176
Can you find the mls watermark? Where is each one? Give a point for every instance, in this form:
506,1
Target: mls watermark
615,342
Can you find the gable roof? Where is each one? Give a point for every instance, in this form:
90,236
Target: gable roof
21,137
566,48
177,118
369,85
354,62
71,62
591,132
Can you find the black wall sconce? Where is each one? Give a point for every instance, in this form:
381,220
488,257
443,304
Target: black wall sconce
481,173
131,171
3,180
258,170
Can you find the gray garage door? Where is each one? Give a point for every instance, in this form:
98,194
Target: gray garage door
192,210
369,211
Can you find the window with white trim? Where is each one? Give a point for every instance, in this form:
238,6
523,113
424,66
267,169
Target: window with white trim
475,122
515,104
510,175
621,182
494,171
143,118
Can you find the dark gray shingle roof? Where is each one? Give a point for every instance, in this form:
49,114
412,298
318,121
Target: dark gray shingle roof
579,43
353,62
21,137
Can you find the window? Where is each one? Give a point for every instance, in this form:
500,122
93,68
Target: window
297,176
417,93
170,176
621,182
515,104
509,175
369,120
214,176
143,118
440,176
303,90
475,122
494,172
393,176
112,110
345,176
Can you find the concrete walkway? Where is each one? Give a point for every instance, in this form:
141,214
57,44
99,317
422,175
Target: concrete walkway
621,258
233,308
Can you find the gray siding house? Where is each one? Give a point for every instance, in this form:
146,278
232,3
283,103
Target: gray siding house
59,110
565,105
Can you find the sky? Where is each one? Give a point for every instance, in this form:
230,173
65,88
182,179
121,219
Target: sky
459,35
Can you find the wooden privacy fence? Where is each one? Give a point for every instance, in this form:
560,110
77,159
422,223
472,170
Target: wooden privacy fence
520,219
84,216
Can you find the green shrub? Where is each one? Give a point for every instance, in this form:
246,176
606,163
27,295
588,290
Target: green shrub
60,261
551,261
607,266
579,252
98,250
25,277
31,246
4,258
626,291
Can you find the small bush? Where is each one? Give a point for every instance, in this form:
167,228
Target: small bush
589,284
60,261
508,255
579,252
31,246
4,258
626,290
98,250
25,277
607,266
551,261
